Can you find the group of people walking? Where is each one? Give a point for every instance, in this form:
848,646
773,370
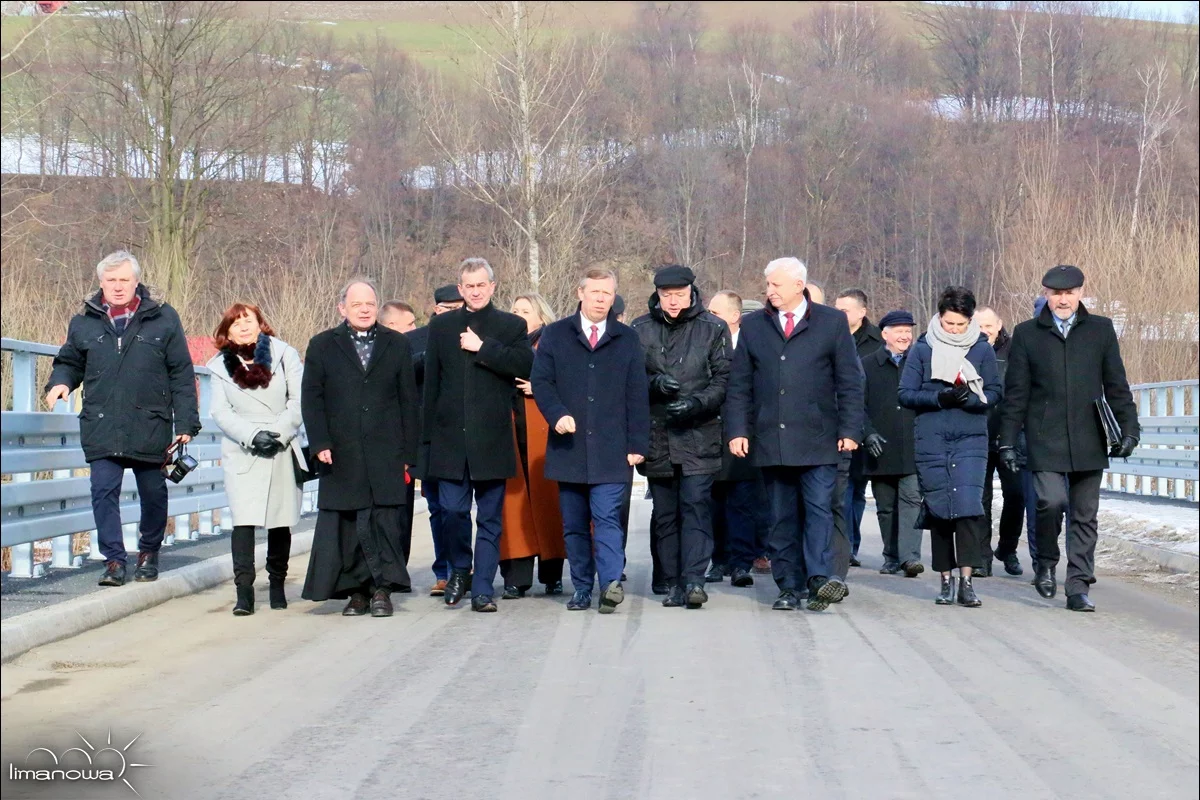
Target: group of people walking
757,431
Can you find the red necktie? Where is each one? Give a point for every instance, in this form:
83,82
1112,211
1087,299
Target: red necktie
595,337
791,325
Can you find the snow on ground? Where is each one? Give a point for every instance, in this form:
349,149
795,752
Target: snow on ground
1169,526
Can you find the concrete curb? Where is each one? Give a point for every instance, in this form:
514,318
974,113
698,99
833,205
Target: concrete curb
22,633
1169,560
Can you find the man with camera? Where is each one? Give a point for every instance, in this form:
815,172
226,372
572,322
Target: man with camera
130,354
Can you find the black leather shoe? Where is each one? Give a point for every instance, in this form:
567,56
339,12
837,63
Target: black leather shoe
580,601
889,567
675,598
484,604
946,595
356,607
244,606
741,578
696,596
612,596
823,591
1045,582
913,568
278,598
381,603
1080,602
456,588
147,567
555,588
660,588
787,601
854,562
114,574
1012,565
715,574
966,593
983,572
512,592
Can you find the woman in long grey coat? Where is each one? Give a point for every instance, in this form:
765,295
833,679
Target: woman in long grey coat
256,404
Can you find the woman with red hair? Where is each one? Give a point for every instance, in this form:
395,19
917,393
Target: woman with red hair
256,404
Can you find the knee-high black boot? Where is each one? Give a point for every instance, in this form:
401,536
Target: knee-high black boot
241,544
279,547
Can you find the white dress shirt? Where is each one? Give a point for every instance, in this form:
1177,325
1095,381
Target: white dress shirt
734,336
587,327
797,315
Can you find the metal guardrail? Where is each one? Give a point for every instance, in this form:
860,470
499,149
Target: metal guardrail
1167,460
46,500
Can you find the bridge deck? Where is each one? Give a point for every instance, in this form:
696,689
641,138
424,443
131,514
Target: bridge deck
886,696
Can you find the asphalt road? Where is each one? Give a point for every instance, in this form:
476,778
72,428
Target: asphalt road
885,696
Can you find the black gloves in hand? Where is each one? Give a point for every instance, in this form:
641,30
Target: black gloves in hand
873,444
954,397
266,444
664,386
1125,448
1008,459
680,410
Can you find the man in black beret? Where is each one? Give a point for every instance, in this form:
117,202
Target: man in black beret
1057,363
687,361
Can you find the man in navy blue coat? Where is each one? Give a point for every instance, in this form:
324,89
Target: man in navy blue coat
589,382
795,402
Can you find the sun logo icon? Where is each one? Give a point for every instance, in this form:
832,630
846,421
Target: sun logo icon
76,764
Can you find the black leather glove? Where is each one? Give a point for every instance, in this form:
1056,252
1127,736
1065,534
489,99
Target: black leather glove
266,444
664,386
680,410
873,444
1125,448
955,396
1008,459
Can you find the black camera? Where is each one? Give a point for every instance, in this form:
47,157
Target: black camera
178,463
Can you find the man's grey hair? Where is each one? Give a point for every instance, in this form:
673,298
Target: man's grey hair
474,265
115,260
597,274
794,266
354,282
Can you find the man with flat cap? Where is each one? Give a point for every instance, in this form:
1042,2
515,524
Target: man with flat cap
1062,364
687,361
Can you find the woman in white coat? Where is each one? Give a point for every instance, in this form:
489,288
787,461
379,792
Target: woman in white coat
256,404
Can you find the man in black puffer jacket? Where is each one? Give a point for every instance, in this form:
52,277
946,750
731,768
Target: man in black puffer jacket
131,355
687,362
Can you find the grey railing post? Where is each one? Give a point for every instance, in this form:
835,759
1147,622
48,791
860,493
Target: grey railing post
24,366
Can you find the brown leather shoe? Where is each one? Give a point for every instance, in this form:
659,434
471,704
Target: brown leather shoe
439,589
356,607
381,603
762,566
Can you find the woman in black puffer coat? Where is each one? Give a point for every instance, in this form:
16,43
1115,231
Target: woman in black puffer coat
951,380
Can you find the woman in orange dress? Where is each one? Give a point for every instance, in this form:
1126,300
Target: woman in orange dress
532,523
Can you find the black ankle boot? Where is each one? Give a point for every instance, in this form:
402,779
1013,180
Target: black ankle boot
946,596
245,601
966,594
278,598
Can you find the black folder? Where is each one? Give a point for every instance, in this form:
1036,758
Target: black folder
1108,422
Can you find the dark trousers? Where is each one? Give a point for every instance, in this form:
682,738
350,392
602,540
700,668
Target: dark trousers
683,525
800,552
592,531
854,505
1011,512
279,547
762,517
734,523
1030,495
1078,496
406,520
841,545
107,474
626,507
455,497
955,542
898,506
441,559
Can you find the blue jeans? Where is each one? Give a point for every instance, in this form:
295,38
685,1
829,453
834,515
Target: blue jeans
797,551
455,498
592,531
441,561
107,474
854,504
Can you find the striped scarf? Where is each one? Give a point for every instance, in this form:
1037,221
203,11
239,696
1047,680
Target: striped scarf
121,317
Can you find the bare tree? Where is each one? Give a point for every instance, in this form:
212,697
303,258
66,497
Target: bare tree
1157,112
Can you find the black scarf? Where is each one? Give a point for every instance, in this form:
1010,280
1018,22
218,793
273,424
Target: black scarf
258,374
364,343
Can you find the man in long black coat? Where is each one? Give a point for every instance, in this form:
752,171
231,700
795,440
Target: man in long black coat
687,360
359,403
472,360
795,404
1060,365
589,381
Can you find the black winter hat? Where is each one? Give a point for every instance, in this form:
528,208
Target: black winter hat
618,306
1064,276
673,276
447,294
